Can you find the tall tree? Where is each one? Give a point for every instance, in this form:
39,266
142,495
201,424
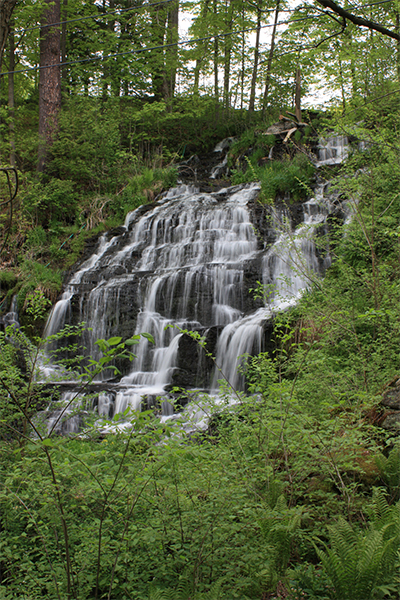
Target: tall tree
6,10
49,79
228,44
171,52
256,57
270,57
159,16
201,46
11,100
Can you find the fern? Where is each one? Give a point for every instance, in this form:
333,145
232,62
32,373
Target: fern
389,469
360,564
184,591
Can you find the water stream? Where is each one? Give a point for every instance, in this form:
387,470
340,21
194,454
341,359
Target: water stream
189,262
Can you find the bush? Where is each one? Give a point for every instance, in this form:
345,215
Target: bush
280,178
50,203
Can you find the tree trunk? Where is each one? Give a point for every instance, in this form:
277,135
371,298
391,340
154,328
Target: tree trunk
216,83
227,54
49,80
171,53
270,57
64,70
297,98
398,46
342,84
243,64
255,62
107,70
6,10
202,49
158,23
11,114
216,52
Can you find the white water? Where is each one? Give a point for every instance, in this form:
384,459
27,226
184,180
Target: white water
288,268
332,150
11,318
184,264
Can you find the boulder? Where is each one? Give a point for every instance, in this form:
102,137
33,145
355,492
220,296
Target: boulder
391,398
392,422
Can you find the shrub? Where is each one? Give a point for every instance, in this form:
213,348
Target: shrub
292,177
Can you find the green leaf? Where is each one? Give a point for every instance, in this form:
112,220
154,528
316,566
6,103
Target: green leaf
48,442
132,341
114,341
148,337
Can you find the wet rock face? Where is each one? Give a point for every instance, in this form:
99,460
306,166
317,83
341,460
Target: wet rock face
190,261
193,264
193,367
391,404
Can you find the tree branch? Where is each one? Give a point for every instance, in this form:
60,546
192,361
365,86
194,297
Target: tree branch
358,20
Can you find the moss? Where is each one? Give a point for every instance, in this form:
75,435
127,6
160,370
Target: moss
8,279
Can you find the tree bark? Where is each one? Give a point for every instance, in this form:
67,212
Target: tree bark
171,53
49,80
342,84
107,71
227,54
216,53
358,20
270,57
243,63
6,10
255,62
158,24
297,99
64,71
398,45
202,49
11,103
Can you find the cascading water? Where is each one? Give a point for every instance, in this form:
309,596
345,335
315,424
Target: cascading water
188,262
11,318
333,150
288,267
190,254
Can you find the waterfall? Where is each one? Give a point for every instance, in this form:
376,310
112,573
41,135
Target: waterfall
190,254
332,150
11,318
189,262
288,268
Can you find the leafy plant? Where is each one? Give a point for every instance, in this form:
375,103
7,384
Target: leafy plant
360,565
279,178
389,469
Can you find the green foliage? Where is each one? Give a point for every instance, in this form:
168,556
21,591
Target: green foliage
8,279
47,203
308,581
261,373
291,177
144,187
37,304
147,516
38,275
389,469
361,565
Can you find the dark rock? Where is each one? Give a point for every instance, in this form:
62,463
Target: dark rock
116,231
193,367
392,422
391,397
